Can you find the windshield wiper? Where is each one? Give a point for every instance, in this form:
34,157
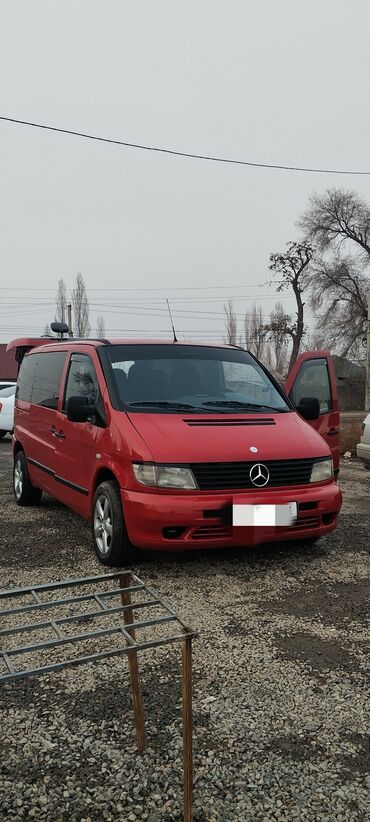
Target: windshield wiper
238,404
217,406
176,406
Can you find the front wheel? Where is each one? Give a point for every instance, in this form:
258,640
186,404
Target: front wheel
2,434
110,537
25,493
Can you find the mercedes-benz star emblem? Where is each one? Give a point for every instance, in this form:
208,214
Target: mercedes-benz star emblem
259,474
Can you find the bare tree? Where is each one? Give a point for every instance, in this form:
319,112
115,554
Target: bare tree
339,282
335,217
47,330
292,268
230,324
80,306
61,303
100,327
338,291
278,336
315,340
255,334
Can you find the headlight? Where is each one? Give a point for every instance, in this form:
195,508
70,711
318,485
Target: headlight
164,476
322,470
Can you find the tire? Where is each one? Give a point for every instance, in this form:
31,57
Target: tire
110,536
3,434
25,493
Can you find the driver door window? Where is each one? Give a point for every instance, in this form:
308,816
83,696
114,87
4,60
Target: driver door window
81,380
313,381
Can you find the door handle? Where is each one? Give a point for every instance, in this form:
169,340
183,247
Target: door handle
56,433
332,432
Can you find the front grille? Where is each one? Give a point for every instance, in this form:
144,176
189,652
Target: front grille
214,476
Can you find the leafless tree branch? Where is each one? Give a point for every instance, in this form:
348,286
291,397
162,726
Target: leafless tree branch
80,305
292,268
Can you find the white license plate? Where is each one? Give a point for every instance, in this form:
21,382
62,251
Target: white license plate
255,515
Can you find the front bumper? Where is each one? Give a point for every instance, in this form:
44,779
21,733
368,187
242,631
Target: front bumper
178,522
363,453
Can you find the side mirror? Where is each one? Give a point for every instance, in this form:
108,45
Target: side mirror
80,409
309,408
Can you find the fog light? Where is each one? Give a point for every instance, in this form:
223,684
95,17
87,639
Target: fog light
173,531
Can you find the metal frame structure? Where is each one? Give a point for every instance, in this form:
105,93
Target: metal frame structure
128,586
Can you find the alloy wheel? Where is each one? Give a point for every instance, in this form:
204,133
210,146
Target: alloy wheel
103,527
18,479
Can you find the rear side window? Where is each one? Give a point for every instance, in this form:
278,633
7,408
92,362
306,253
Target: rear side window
46,385
26,378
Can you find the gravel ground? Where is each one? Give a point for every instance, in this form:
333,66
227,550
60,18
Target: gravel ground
281,718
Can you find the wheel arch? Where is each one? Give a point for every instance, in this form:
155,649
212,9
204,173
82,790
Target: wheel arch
104,474
17,447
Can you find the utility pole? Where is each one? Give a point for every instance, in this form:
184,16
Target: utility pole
367,389
69,310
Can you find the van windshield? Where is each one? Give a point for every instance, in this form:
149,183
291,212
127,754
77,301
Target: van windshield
179,378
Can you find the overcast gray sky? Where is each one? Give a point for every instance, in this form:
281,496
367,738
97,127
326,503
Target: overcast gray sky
276,81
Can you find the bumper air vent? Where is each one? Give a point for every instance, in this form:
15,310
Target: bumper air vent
307,506
229,423
212,532
306,522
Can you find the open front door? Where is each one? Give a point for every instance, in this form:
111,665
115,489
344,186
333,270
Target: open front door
313,376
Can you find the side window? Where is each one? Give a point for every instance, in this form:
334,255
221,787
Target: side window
82,380
313,381
26,378
47,380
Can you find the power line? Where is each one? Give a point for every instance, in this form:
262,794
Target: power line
7,303
190,155
158,301
177,312
36,331
164,288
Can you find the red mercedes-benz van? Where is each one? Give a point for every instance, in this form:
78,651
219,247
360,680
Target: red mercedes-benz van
173,446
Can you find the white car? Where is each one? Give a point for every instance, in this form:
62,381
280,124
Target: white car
7,396
363,448
6,384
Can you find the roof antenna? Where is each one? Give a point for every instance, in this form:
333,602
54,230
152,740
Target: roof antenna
173,327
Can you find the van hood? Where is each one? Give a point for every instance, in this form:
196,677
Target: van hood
187,438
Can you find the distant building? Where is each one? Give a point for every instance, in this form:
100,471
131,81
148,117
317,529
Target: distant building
8,364
351,384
